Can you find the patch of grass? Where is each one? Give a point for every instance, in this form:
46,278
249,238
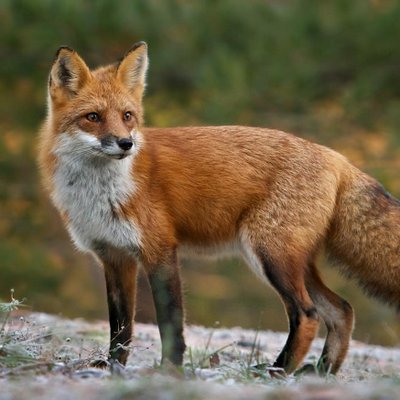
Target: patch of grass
205,358
26,346
231,363
7,308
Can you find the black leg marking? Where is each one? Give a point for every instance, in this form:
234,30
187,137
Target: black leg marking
288,281
120,274
166,289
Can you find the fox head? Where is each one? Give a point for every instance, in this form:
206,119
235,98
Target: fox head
97,113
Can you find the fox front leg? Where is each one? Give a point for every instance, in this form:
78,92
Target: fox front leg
165,285
121,275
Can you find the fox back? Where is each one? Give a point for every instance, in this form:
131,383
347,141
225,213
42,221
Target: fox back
132,195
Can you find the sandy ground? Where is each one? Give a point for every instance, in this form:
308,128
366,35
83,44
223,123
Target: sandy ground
55,355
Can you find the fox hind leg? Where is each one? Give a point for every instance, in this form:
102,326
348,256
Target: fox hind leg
301,312
337,314
288,280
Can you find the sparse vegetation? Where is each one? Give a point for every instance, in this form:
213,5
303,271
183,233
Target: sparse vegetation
30,345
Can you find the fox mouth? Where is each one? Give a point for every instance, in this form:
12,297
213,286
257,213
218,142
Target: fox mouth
114,155
122,156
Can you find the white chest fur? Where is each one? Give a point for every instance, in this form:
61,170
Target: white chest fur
90,190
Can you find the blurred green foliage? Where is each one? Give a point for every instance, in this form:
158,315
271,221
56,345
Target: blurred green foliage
220,59
327,70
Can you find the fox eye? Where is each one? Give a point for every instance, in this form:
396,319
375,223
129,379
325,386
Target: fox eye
93,117
127,116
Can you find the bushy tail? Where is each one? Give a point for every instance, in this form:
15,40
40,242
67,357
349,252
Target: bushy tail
365,236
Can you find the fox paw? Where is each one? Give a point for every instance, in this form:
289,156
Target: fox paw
116,368
307,369
99,363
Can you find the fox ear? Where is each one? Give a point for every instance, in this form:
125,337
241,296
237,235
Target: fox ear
69,72
132,69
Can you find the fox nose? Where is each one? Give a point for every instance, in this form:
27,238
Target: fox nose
125,143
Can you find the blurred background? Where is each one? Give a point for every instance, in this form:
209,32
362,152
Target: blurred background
328,71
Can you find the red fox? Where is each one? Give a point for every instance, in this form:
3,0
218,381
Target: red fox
139,196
